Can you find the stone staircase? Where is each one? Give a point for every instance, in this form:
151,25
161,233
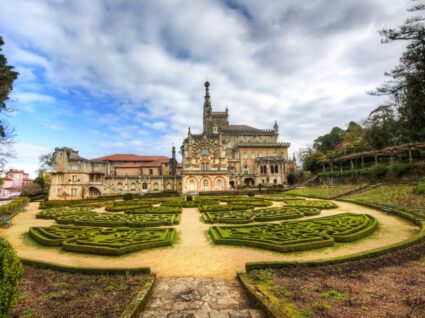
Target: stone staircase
198,298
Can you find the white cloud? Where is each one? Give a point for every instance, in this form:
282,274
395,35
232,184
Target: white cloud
305,64
27,157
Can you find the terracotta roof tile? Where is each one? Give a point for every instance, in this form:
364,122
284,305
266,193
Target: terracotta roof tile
139,164
132,157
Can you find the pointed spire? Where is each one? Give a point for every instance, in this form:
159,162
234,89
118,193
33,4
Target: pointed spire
276,126
188,131
207,108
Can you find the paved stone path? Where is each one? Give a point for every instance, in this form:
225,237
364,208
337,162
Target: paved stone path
198,298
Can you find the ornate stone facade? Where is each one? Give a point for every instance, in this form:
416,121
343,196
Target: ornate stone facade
227,156
74,177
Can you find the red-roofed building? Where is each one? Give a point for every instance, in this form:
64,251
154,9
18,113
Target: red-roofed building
13,182
74,177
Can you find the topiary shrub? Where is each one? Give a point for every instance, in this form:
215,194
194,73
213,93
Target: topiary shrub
11,271
189,198
251,194
127,197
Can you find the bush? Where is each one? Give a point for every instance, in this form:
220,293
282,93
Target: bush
189,198
398,169
10,278
251,194
127,197
31,189
378,170
13,206
419,188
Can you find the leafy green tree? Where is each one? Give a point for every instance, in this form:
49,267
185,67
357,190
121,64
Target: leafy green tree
406,85
40,181
354,138
329,141
7,77
314,161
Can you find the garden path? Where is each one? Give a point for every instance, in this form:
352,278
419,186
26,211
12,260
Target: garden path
195,255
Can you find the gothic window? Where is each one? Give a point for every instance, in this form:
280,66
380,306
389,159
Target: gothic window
133,187
215,130
272,169
168,186
276,169
155,186
119,186
204,151
144,186
191,185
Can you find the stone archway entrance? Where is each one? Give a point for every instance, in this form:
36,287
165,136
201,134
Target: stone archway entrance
94,192
249,182
232,184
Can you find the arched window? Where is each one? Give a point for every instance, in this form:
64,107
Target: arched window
192,185
155,186
272,169
144,186
276,169
133,187
205,185
219,184
168,186
119,186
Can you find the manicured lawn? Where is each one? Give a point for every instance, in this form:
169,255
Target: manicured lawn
394,196
325,192
48,293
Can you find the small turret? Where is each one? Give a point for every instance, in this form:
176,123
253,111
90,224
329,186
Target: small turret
276,127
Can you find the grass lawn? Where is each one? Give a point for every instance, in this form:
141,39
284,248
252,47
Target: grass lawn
325,192
394,196
48,293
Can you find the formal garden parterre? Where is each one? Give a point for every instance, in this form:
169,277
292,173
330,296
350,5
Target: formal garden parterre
98,240
294,236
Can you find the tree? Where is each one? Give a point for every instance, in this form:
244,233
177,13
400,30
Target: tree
406,86
31,189
40,181
7,77
354,139
329,141
314,162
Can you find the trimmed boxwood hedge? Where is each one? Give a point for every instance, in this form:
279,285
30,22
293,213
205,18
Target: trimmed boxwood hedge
261,215
294,236
98,202
321,204
104,241
153,210
53,213
9,209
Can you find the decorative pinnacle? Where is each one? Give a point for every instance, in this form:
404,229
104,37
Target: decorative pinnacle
207,93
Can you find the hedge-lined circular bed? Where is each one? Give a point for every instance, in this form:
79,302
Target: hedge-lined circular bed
298,235
321,204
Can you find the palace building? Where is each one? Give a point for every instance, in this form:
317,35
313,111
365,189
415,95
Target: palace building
222,157
226,156
74,177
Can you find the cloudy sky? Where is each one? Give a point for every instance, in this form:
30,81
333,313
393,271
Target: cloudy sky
116,76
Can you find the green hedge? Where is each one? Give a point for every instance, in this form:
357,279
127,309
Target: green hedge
294,236
98,202
261,215
104,241
153,210
10,278
311,204
53,213
8,209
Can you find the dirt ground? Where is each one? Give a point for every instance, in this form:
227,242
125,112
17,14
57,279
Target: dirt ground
391,286
195,255
48,293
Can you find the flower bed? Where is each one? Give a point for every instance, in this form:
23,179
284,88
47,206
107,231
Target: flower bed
311,204
298,235
107,241
261,215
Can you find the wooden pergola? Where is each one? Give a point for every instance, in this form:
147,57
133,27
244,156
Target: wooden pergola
406,152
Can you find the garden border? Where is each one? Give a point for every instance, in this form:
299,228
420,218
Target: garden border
419,237
139,301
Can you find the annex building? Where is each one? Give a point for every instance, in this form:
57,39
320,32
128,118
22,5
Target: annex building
222,157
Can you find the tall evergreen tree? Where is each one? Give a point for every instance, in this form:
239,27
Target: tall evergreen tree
407,80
